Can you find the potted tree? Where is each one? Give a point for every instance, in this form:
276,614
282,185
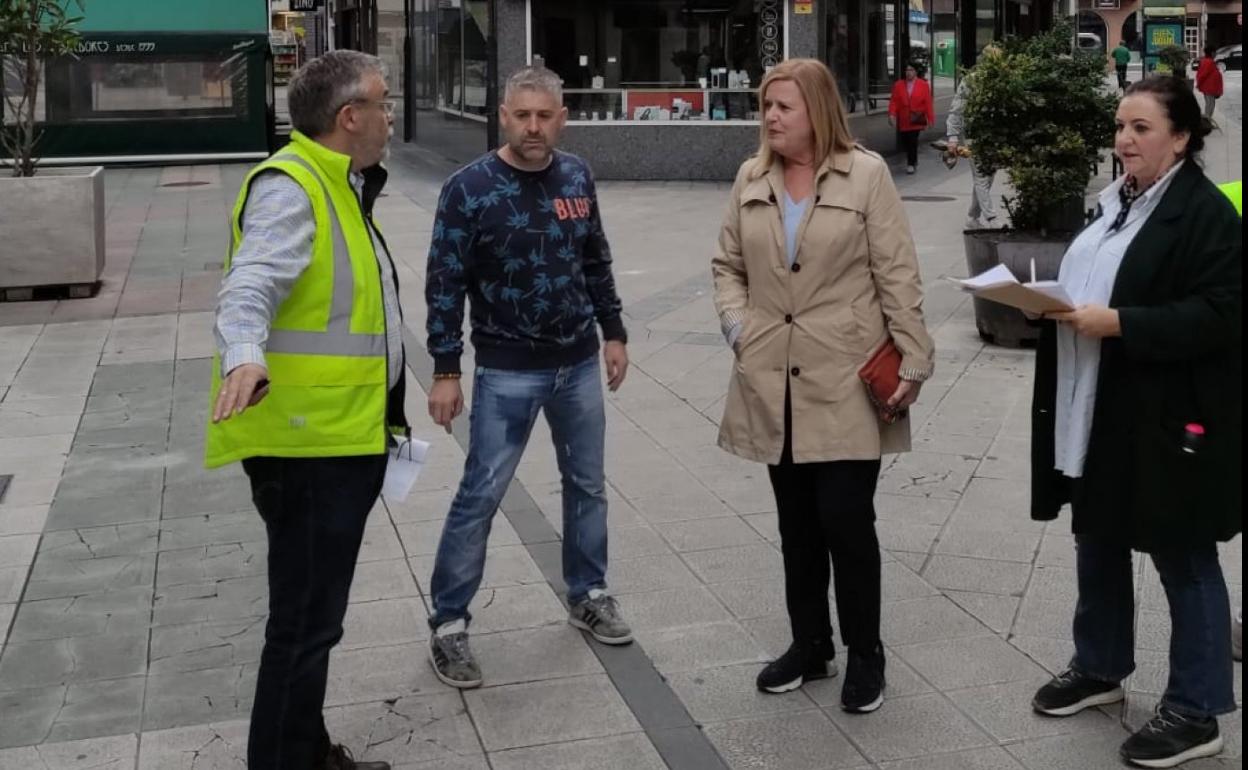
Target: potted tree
1174,60
52,220
1041,112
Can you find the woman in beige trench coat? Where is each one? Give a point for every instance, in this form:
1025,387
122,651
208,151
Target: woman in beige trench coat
815,270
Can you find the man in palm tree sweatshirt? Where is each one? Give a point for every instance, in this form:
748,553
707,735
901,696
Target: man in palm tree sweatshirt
518,233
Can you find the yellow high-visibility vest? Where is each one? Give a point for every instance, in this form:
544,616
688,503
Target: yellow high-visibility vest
1234,191
326,352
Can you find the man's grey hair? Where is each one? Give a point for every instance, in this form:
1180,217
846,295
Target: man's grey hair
320,88
534,79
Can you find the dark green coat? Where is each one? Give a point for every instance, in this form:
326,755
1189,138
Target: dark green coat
1178,294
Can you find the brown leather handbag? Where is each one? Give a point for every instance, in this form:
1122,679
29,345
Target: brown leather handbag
881,375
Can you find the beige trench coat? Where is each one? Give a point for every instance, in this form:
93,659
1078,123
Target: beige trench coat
811,327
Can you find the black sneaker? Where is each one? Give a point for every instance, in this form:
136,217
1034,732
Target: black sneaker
1070,692
798,665
863,691
1170,739
339,758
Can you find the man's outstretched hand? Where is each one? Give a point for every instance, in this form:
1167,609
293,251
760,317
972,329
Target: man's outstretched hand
246,385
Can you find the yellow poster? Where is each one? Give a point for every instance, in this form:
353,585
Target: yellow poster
803,7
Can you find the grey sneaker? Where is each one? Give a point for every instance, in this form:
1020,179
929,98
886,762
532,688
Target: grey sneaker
599,614
451,658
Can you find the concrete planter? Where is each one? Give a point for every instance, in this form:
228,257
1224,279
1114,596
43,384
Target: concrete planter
52,231
999,324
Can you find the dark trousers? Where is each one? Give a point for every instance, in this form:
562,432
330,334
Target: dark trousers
827,510
1201,672
314,510
909,141
1122,76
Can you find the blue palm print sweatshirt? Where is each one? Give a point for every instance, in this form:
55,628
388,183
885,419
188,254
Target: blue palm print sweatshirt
528,249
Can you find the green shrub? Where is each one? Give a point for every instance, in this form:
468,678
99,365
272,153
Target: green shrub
1043,115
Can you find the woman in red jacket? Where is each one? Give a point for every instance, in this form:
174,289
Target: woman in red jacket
1209,80
910,110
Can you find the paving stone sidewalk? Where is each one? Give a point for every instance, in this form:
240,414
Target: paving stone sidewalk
132,590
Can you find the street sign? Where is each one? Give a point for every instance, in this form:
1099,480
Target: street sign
306,5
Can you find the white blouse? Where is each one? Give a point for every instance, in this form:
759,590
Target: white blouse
1087,274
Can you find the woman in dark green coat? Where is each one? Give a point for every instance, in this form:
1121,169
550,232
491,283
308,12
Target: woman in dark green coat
1137,423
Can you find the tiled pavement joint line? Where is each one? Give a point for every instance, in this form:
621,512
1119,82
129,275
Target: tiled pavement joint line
662,715
674,296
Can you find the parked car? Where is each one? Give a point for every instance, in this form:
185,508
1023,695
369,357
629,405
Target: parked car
1227,58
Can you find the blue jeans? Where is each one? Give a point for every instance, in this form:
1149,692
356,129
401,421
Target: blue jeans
505,404
1201,672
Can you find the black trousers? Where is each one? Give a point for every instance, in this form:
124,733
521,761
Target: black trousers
314,510
909,141
1122,76
827,510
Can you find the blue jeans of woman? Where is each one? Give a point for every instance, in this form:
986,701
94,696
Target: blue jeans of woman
1201,672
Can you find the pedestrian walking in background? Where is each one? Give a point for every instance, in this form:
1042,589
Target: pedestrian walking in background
1137,423
519,234
308,384
802,313
910,110
983,211
1122,57
1209,81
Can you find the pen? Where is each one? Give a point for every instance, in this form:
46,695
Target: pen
1033,269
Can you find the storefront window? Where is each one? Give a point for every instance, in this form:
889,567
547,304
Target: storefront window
450,70
659,59
844,55
944,57
882,48
106,88
12,70
449,85
870,42
985,24
476,55
462,57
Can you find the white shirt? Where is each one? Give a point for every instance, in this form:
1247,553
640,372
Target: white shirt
1088,272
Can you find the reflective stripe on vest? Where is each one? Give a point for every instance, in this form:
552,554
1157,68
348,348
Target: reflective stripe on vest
337,339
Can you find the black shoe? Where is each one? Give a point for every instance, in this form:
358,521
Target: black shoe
1170,739
1070,692
339,758
863,691
799,664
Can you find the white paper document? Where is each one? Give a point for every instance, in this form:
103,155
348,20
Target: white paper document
403,468
1000,285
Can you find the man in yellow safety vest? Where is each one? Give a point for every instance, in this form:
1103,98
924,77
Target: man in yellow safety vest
308,384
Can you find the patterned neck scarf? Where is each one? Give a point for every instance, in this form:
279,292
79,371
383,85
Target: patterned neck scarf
1128,194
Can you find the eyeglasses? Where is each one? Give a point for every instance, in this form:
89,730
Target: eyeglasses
387,105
